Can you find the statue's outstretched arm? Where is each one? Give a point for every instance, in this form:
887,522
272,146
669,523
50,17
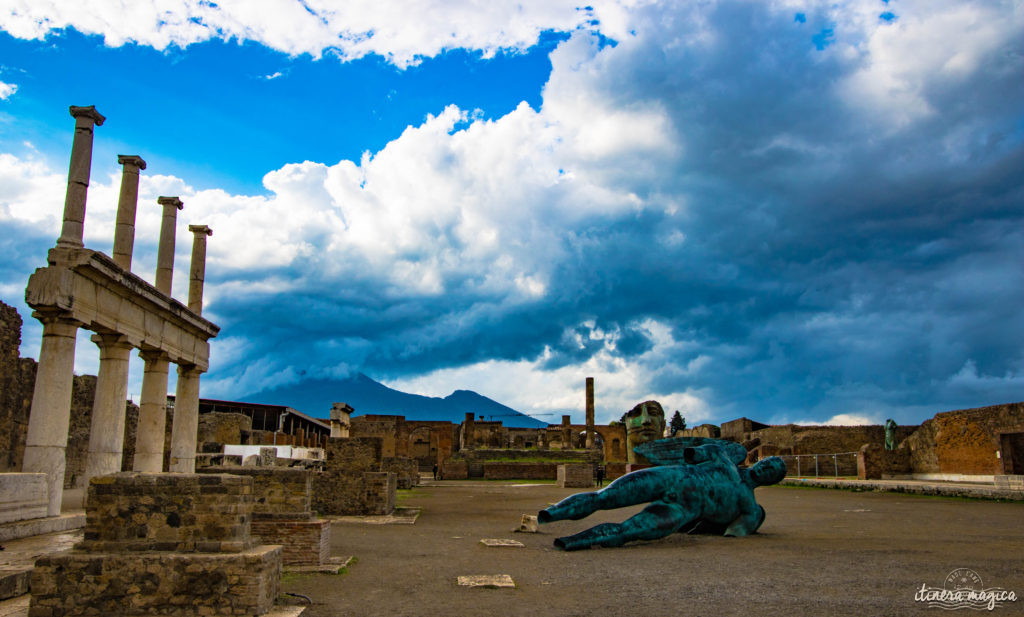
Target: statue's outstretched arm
748,522
655,521
638,487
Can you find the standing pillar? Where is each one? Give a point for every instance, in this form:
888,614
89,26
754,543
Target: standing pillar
590,412
567,441
185,429
49,418
197,271
106,434
127,203
78,176
341,414
149,439
165,252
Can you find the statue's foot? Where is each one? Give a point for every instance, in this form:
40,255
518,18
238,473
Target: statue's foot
573,508
605,534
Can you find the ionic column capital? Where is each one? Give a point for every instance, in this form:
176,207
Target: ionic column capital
170,201
131,160
199,230
87,113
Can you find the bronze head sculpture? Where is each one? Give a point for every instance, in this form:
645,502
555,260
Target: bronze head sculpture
644,423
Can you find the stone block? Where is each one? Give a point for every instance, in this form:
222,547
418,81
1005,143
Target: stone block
304,542
168,512
573,475
22,496
75,582
275,490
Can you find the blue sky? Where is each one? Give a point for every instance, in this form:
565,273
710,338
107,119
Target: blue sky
792,211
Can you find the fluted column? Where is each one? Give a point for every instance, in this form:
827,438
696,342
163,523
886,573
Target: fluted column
78,176
127,203
149,439
49,417
197,271
185,429
106,435
165,251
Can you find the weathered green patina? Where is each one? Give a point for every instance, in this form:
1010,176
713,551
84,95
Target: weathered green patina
890,434
697,487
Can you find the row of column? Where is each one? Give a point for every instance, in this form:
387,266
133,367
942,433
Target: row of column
49,418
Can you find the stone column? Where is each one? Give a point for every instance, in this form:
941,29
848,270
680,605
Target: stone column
567,441
185,430
341,415
197,271
149,439
78,176
51,407
590,412
127,202
165,252
106,434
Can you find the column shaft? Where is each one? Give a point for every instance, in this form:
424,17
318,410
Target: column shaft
78,176
165,251
49,418
185,430
149,440
106,434
590,412
197,271
127,203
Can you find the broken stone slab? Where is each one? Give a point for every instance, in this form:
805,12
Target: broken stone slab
490,581
528,524
500,542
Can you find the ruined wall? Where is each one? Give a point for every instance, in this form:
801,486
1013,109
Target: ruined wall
221,428
351,482
519,471
964,441
406,470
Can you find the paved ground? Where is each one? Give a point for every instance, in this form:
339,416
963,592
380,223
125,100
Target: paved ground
820,552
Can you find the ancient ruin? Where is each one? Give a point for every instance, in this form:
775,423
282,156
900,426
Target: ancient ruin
82,288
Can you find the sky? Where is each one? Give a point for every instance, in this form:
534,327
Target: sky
790,210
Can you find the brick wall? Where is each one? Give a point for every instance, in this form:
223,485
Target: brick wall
575,476
406,470
275,490
964,441
520,471
351,482
303,543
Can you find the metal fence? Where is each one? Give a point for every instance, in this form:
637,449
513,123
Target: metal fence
821,465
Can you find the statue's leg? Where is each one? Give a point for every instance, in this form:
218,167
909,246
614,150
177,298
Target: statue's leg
629,490
655,521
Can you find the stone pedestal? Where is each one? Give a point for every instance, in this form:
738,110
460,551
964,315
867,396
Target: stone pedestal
573,475
351,482
282,513
162,544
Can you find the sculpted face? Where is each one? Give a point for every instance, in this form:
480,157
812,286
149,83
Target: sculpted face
645,422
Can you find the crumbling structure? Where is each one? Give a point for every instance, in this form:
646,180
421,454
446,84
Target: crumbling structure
82,288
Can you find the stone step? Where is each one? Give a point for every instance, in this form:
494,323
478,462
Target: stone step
14,581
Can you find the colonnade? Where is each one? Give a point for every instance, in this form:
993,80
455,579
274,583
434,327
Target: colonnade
51,402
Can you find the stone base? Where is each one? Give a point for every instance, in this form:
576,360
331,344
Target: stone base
573,475
22,496
304,542
156,583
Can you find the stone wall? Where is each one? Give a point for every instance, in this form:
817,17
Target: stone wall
453,469
874,462
275,490
351,482
221,428
407,470
964,441
520,471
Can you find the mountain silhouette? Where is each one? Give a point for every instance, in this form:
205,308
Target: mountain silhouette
314,397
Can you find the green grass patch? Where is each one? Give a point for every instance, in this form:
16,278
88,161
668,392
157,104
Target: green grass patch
853,488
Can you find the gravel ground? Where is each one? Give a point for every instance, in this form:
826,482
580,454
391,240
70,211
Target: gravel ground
820,552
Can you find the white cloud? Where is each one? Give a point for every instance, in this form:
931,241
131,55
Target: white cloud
843,419
7,90
400,31
527,386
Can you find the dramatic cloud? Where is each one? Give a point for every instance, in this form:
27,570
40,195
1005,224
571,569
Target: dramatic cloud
789,211
402,32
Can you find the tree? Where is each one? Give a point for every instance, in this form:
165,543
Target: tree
677,423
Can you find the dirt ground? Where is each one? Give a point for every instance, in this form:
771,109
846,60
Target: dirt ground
820,552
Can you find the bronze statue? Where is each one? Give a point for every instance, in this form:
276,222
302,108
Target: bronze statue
890,434
696,488
644,423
